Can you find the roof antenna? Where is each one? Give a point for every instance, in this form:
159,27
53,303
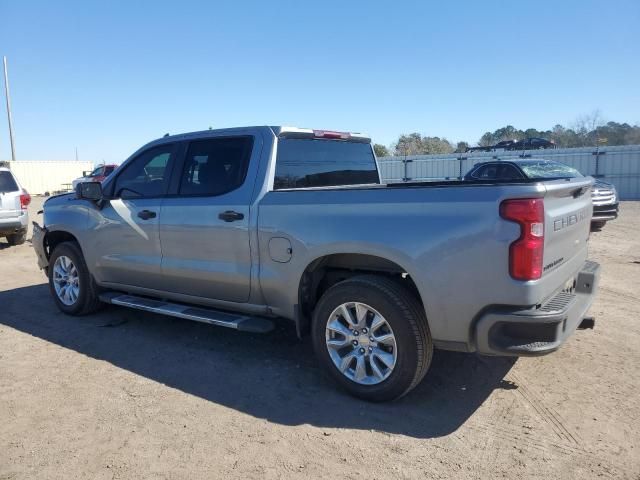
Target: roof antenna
165,135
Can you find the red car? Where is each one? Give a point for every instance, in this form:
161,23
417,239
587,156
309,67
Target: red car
97,175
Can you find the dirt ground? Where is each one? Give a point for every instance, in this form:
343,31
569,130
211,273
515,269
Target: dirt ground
124,394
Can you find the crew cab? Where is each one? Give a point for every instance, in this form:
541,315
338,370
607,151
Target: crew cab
239,227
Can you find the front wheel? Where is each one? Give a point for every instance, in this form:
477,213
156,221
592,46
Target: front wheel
70,282
371,334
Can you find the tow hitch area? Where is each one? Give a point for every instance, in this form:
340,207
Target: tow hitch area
587,323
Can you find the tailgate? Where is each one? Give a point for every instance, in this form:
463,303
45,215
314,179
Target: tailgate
9,204
568,210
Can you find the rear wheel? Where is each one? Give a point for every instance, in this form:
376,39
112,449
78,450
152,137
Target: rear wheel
70,282
371,334
17,238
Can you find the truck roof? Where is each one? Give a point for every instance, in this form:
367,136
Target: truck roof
279,130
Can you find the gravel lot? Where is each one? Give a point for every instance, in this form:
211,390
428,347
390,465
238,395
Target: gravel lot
124,394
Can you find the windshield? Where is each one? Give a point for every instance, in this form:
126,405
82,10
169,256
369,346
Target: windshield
96,172
548,169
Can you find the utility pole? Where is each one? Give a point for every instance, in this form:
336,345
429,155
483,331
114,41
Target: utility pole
6,92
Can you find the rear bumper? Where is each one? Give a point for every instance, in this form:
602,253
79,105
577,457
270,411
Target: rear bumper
13,225
603,213
537,331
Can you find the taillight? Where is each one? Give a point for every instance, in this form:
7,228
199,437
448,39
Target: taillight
525,254
25,200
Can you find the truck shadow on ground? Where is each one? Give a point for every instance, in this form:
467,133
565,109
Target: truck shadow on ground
272,376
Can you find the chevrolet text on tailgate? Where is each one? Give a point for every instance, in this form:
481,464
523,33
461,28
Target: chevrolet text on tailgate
239,226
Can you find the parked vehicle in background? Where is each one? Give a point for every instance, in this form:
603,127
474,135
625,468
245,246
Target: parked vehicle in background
236,227
98,175
605,203
603,195
533,143
486,148
14,200
504,145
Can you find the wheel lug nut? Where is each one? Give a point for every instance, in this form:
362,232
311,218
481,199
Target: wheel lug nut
355,343
356,333
364,330
371,349
371,339
362,350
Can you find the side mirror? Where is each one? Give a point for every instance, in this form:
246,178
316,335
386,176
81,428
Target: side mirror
89,191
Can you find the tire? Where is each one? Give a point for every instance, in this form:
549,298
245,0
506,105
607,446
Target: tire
17,238
596,226
86,301
406,322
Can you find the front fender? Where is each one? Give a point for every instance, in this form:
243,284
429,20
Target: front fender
39,234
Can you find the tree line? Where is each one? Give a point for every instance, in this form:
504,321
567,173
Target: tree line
587,130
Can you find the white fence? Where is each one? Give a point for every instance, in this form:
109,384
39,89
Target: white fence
39,176
617,165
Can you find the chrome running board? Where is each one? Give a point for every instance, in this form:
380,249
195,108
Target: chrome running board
241,322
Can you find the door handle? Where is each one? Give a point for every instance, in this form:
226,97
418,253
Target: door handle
146,214
230,216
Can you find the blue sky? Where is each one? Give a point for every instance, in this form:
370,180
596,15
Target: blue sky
106,77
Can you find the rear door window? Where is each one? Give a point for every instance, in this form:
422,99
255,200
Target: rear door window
509,172
215,166
303,163
486,172
7,182
496,171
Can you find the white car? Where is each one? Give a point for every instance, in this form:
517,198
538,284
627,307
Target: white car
14,200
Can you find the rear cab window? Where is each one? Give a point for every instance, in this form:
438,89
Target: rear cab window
7,182
306,163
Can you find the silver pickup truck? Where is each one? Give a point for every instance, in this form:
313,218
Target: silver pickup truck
240,226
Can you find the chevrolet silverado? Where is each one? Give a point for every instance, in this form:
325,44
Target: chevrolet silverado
237,227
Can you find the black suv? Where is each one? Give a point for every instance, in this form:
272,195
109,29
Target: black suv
533,143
